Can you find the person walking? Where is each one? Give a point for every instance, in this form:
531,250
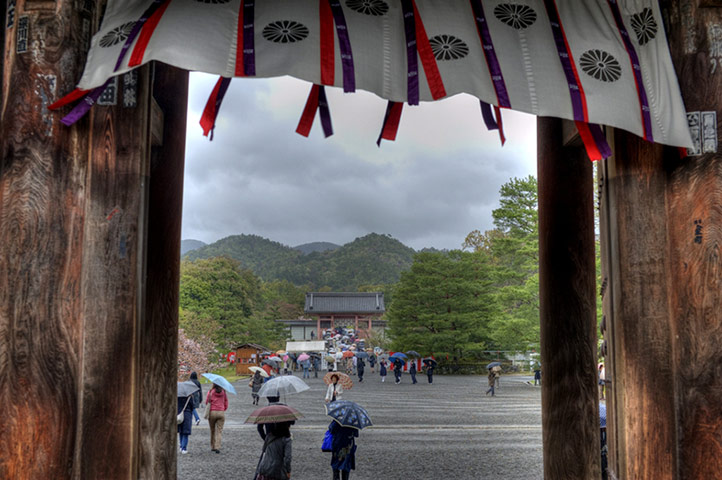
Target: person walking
372,362
316,366
537,374
412,372
306,365
360,367
430,372
382,370
397,370
497,375
343,450
218,401
492,380
275,461
334,390
256,383
185,405
197,397
602,377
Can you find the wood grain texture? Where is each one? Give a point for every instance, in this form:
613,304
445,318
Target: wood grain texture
159,330
42,201
570,412
642,364
113,283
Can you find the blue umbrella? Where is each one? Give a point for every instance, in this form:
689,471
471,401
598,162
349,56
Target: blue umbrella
221,382
399,356
348,414
493,364
362,355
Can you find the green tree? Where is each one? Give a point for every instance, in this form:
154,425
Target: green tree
220,290
442,305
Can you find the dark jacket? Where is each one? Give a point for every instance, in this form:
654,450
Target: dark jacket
185,427
276,461
412,368
197,396
343,447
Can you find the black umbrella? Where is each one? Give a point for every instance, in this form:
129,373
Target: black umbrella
493,364
430,362
413,353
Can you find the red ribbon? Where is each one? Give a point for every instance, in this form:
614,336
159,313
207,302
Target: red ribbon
136,58
327,45
391,122
213,105
76,94
428,60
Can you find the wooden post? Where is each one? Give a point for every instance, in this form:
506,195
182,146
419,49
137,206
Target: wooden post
570,410
663,225
92,351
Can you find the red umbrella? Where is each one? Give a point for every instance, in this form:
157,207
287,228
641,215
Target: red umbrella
347,354
274,414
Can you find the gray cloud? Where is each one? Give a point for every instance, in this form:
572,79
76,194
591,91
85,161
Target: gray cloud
436,183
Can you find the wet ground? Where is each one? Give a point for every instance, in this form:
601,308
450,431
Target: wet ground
446,430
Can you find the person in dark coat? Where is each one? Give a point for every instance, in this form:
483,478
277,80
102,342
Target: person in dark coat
360,366
492,381
430,372
372,362
316,366
256,383
382,370
398,365
412,372
185,405
197,396
275,461
343,450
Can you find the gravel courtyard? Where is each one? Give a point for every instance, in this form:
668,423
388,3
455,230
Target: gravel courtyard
446,430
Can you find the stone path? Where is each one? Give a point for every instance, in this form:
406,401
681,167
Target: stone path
446,430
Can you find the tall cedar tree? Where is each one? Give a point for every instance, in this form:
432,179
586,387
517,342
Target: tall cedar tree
442,305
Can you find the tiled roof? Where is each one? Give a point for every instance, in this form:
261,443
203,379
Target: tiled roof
344,303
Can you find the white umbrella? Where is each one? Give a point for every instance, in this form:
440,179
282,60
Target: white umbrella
285,385
259,370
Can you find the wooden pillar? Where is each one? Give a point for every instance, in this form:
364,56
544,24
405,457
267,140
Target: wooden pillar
318,328
570,415
664,303
355,328
89,347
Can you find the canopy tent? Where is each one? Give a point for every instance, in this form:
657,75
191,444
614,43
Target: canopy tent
298,347
593,62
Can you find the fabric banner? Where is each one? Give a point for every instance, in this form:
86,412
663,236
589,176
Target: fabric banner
618,49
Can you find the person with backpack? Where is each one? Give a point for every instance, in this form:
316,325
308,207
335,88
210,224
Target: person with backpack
275,461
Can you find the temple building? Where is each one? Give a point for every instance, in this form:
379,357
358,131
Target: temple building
360,311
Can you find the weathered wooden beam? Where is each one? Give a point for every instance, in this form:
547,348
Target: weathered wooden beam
43,172
159,329
570,411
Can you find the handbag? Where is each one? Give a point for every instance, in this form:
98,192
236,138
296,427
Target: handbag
207,411
181,415
327,440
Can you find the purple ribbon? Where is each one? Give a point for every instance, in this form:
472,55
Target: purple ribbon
636,68
324,112
488,116
91,98
344,43
249,49
411,52
564,57
492,61
600,140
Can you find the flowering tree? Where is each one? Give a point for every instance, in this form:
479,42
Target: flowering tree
195,355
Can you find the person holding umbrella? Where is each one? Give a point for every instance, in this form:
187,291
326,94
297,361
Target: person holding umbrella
430,365
348,419
412,372
372,362
218,400
360,367
256,382
186,405
382,370
398,365
275,461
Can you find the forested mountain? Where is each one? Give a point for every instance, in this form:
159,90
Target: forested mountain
190,244
372,259
307,248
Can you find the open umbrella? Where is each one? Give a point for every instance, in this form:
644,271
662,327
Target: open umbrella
347,354
303,357
274,414
343,379
281,352
399,356
430,362
378,350
413,353
493,364
221,382
330,358
275,359
259,370
285,358
186,388
362,354
382,357
285,385
348,414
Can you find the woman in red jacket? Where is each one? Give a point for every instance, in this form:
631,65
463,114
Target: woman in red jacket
218,400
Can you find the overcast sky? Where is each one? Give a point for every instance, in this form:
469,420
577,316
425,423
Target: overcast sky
437,182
